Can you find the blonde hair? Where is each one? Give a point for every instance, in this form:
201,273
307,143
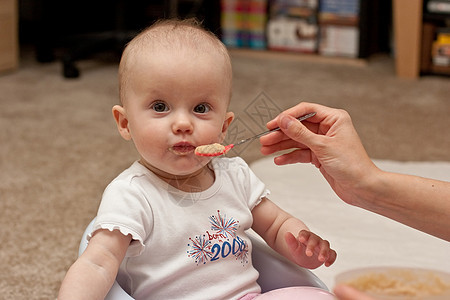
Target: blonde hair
170,34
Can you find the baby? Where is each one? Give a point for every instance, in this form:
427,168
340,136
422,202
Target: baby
173,225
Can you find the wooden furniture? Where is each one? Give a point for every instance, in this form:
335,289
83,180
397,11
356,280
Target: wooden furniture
9,45
407,35
435,27
413,37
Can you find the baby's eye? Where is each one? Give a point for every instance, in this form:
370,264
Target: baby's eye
202,108
159,107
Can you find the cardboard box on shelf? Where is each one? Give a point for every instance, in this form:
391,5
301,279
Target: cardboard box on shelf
339,28
293,26
339,40
292,34
441,48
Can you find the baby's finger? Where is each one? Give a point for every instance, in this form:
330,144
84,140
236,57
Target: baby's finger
324,250
331,258
311,245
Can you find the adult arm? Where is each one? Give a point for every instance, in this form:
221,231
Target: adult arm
330,141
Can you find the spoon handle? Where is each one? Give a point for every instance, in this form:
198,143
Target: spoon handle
302,118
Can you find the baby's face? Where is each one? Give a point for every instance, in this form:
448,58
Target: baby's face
177,100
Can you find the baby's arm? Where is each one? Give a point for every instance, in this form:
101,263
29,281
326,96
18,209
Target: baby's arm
290,237
94,272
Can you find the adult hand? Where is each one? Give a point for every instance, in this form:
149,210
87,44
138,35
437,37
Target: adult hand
329,141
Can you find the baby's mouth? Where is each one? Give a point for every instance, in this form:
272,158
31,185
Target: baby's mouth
182,148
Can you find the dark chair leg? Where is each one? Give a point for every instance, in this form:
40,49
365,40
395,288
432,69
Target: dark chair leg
70,70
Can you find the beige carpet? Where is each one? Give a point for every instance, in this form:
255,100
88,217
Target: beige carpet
59,146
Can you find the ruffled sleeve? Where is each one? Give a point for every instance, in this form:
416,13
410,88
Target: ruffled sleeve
256,189
125,208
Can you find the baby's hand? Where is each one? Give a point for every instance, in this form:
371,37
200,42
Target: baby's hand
310,250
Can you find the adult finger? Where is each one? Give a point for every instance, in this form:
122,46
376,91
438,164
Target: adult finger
298,110
285,144
295,130
296,156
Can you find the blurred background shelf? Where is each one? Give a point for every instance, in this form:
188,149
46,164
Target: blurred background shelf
345,28
339,29
416,28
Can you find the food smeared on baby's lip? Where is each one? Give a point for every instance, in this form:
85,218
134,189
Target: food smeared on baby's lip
182,148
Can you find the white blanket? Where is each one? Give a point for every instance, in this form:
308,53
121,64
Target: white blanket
361,238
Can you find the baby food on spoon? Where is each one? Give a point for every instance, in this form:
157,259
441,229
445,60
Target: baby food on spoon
211,150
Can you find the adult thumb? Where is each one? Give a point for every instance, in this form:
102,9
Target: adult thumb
294,129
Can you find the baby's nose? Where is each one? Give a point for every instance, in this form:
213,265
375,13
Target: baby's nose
182,124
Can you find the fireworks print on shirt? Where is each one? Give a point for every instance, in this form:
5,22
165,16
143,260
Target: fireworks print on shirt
220,243
224,226
200,249
243,255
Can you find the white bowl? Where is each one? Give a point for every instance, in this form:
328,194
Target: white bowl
298,292
394,283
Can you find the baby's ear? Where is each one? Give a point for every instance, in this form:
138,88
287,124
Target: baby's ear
226,123
119,115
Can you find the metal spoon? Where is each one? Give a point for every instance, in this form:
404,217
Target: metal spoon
225,149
